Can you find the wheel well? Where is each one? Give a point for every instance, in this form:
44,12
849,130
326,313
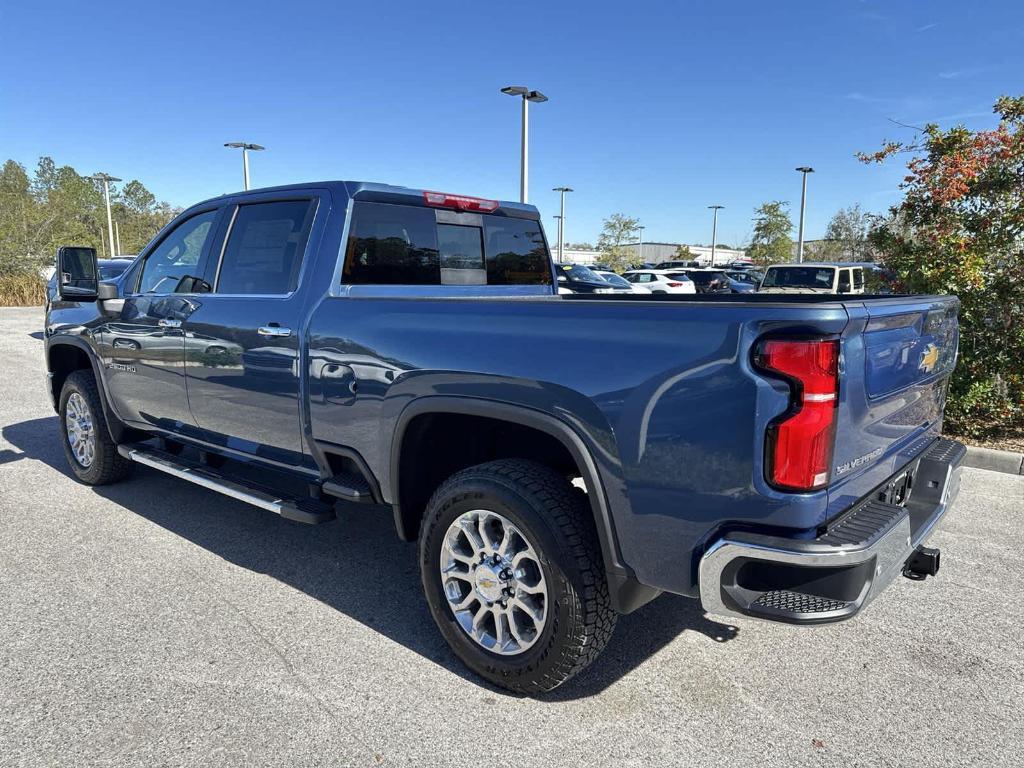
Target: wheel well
63,359
437,445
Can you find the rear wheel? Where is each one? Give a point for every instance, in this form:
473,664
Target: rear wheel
90,451
513,574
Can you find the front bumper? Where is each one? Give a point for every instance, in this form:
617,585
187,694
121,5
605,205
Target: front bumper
833,576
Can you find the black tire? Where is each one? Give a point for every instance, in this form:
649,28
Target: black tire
107,466
559,525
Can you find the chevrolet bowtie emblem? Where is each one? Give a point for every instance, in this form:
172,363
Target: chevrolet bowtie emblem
929,358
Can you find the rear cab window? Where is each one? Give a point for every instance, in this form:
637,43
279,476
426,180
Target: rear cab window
394,244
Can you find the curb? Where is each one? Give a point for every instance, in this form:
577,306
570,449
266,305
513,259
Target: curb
996,461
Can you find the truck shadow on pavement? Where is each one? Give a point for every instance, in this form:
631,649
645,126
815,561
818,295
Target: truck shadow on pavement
355,564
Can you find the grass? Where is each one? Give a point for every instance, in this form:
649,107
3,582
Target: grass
22,290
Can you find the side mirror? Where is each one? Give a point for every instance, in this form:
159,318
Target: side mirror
77,273
563,279
844,286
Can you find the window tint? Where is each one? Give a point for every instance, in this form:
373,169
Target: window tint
404,245
392,244
516,252
462,255
858,279
264,248
177,255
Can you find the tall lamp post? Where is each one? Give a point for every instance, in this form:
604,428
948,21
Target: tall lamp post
804,169
561,219
524,151
641,248
245,147
106,178
714,231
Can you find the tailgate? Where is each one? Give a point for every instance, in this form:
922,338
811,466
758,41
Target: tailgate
892,390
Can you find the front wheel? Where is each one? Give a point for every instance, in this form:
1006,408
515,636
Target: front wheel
513,575
90,451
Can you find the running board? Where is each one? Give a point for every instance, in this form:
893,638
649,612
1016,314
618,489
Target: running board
307,510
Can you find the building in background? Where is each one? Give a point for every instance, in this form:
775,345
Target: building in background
657,252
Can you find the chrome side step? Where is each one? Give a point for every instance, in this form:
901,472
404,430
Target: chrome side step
301,510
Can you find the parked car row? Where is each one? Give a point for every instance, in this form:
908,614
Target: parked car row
675,277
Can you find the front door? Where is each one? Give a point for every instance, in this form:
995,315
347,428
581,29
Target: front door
143,347
242,344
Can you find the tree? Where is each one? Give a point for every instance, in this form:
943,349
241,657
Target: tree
771,243
58,206
617,229
960,229
846,237
683,253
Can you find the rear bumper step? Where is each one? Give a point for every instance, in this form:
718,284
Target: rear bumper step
301,510
834,576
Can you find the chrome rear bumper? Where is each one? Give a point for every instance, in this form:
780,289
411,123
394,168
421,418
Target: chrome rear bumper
834,576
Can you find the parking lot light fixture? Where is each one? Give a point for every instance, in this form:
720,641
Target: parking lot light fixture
641,248
106,178
714,231
561,219
804,169
245,147
527,96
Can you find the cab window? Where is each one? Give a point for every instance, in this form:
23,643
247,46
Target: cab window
177,257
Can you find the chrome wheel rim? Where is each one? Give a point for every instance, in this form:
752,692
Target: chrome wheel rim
80,429
493,581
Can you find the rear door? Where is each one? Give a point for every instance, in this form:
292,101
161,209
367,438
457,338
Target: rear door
897,357
242,341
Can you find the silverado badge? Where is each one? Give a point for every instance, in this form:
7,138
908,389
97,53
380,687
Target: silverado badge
929,358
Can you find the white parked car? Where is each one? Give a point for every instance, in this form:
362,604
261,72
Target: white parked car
618,281
661,280
813,278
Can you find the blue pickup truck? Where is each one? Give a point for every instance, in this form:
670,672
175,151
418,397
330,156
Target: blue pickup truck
560,460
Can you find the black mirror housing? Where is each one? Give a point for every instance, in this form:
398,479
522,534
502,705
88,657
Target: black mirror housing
77,273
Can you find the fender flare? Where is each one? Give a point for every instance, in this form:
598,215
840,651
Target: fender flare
627,594
115,426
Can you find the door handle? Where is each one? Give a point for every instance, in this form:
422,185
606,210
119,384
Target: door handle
166,322
274,331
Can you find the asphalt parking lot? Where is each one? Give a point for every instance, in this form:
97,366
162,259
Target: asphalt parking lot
156,623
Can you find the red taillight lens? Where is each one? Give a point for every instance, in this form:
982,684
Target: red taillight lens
799,451
460,202
674,285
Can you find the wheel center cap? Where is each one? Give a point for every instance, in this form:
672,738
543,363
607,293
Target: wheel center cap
487,582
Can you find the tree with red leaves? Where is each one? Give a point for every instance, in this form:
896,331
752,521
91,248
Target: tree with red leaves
960,230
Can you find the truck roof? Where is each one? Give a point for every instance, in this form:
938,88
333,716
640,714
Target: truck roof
389,193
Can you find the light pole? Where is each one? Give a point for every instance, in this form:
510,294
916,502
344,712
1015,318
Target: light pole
714,231
561,219
804,169
106,178
527,96
641,248
245,147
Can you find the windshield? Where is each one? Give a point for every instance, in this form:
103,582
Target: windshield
581,273
799,277
614,279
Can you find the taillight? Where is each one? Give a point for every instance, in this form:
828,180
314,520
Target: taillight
460,202
799,447
674,285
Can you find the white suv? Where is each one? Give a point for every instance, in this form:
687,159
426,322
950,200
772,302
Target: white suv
661,280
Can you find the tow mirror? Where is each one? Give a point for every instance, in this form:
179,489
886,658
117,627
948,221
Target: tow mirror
77,273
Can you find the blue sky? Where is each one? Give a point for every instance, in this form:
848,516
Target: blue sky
657,109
